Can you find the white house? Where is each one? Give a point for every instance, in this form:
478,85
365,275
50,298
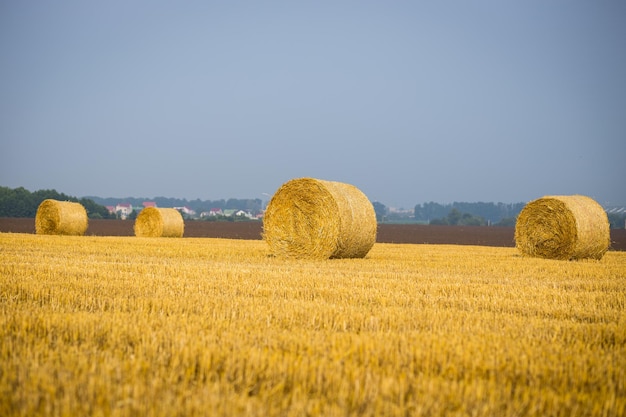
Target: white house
186,210
123,210
242,213
212,212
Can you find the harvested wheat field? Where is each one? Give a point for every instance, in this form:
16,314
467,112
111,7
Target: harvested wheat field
121,326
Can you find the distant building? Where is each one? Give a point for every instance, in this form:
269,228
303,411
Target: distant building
186,210
212,212
149,204
123,210
229,212
242,213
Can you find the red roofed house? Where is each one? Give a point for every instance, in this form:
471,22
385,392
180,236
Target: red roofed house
124,210
212,212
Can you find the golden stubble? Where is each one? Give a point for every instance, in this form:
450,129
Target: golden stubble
167,326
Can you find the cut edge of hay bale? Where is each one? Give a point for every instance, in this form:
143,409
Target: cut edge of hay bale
159,222
56,217
563,227
319,219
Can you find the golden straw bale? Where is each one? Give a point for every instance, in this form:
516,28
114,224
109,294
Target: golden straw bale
61,218
563,227
159,222
317,219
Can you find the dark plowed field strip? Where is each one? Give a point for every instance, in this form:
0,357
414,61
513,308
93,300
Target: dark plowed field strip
387,233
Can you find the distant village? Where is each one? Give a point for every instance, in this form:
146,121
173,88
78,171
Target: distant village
125,210
617,214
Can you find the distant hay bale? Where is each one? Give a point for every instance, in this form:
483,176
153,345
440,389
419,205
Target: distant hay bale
159,222
563,227
61,218
317,219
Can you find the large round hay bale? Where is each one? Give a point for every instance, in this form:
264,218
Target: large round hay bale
317,219
159,222
563,227
61,218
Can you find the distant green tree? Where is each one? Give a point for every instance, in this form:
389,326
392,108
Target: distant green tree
469,220
617,220
95,211
492,212
507,222
381,211
20,202
455,217
17,202
429,211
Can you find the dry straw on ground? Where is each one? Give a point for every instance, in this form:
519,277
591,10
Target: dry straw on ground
317,219
159,222
60,218
563,227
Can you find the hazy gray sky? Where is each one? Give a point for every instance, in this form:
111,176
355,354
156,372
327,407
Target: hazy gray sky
410,101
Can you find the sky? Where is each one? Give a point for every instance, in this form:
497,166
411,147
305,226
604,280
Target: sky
410,101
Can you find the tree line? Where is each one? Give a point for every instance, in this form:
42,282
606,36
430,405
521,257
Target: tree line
468,213
481,214
19,202
456,218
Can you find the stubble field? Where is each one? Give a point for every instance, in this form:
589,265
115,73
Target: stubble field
123,326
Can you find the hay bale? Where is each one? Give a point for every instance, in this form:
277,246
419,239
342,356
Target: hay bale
563,227
61,218
311,218
159,222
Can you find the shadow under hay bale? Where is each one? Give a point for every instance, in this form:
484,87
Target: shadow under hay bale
563,227
61,218
317,219
159,222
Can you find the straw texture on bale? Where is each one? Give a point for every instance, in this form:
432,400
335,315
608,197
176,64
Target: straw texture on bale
61,218
318,219
159,222
563,227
